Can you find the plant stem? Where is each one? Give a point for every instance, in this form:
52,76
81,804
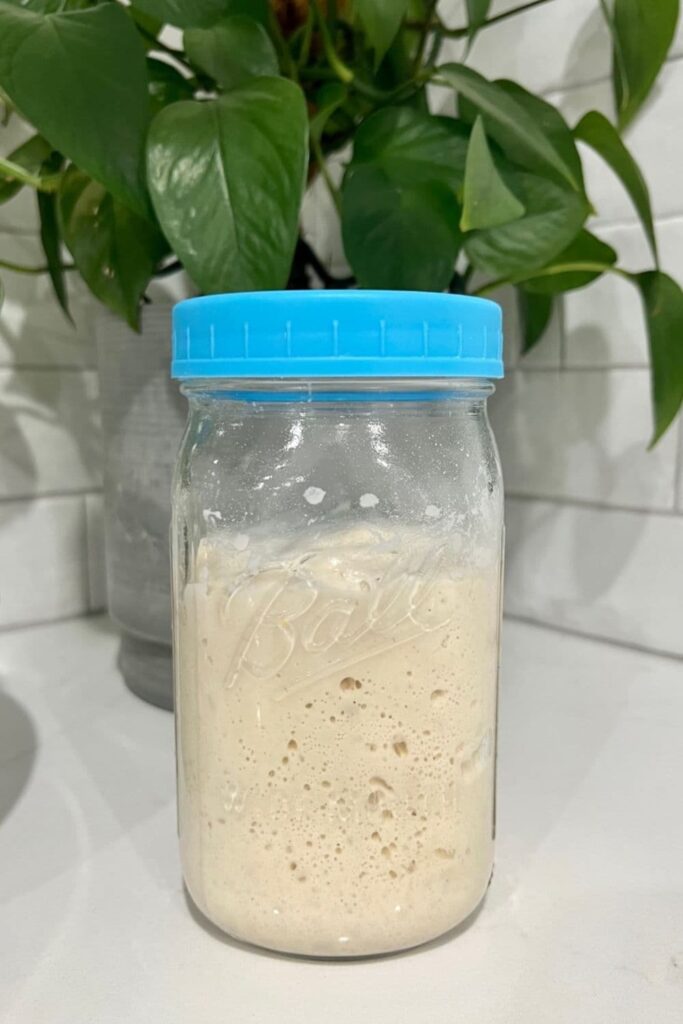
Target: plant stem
15,172
565,268
424,35
289,68
18,268
341,70
324,170
305,51
462,31
309,257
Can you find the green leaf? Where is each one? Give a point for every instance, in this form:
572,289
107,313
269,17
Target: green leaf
552,124
327,100
477,13
31,155
381,20
554,215
399,237
201,13
597,132
80,79
166,85
231,211
116,251
535,312
663,301
585,250
413,147
642,32
50,235
509,122
52,6
232,51
400,213
487,201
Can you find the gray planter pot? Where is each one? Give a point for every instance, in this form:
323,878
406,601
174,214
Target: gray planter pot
143,416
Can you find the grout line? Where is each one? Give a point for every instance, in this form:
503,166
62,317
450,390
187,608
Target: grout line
678,475
532,368
598,506
602,79
29,499
595,638
86,560
46,368
604,224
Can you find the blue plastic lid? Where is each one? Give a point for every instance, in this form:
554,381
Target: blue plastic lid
319,334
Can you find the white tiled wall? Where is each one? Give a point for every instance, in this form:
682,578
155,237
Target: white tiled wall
595,523
50,455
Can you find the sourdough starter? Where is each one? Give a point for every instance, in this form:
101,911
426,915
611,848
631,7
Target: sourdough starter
336,704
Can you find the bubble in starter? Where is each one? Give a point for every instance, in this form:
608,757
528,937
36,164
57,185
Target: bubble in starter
368,500
314,495
241,542
433,511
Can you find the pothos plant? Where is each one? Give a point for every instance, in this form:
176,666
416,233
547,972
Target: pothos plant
152,153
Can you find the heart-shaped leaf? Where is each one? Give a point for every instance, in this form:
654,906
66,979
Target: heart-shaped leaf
642,32
477,13
226,178
90,99
399,237
51,6
509,122
381,20
202,13
115,251
413,147
554,216
550,121
487,201
400,211
585,258
232,51
600,134
663,301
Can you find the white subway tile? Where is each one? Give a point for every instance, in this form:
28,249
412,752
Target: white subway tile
550,47
653,138
604,323
49,423
43,560
33,329
677,45
603,572
583,435
97,576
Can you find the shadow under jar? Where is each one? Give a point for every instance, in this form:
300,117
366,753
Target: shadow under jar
337,542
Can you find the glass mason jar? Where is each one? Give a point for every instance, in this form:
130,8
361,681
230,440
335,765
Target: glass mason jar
337,542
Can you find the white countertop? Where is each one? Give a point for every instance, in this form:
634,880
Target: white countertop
583,922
